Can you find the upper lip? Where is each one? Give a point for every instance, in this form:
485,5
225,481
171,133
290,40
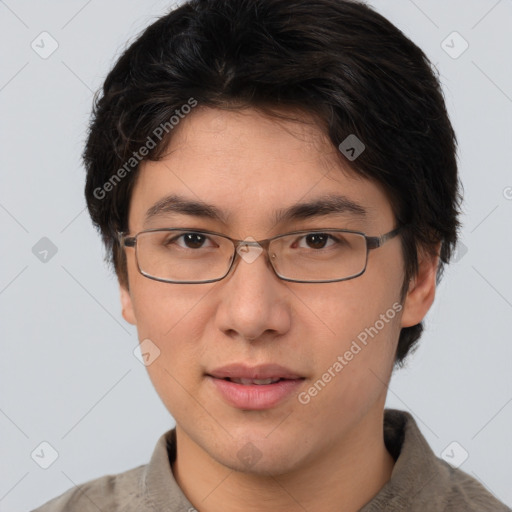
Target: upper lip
264,371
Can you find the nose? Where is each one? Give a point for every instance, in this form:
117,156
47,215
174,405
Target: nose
254,302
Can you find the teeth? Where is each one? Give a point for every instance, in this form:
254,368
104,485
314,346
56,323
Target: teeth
248,382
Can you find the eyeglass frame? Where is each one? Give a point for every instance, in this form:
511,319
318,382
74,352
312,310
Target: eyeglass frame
372,242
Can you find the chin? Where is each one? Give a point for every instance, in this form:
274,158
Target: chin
260,465
259,455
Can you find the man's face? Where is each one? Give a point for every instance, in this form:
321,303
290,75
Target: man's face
250,167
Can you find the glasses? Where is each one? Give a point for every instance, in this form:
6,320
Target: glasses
189,256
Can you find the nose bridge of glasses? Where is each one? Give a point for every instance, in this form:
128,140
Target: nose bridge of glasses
249,249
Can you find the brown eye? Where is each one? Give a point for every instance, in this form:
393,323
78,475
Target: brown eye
188,241
317,240
193,240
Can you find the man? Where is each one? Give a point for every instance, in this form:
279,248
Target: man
276,184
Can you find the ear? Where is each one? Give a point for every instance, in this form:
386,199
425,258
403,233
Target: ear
422,289
127,305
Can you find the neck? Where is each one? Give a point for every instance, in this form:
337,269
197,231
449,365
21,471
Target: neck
344,479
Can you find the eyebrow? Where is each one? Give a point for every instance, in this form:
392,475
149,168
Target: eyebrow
177,204
327,205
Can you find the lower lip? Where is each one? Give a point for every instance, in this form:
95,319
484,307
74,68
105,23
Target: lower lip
254,396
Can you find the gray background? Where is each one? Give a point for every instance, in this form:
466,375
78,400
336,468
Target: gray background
68,373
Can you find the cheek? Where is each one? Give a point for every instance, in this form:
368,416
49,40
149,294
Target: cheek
171,318
162,309
356,355
345,309
352,373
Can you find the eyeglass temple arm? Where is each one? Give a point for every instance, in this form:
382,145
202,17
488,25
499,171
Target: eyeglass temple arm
377,241
125,241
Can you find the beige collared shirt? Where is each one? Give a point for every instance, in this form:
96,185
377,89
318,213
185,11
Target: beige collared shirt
420,481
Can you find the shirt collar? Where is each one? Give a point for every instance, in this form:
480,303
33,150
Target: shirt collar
417,476
162,492
417,471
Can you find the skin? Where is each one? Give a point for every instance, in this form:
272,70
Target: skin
326,455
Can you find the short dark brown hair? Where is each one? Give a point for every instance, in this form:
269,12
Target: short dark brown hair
338,60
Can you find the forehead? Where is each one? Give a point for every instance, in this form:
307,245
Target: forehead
251,167
259,138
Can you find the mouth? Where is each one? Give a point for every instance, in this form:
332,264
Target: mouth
255,388
257,374
251,382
